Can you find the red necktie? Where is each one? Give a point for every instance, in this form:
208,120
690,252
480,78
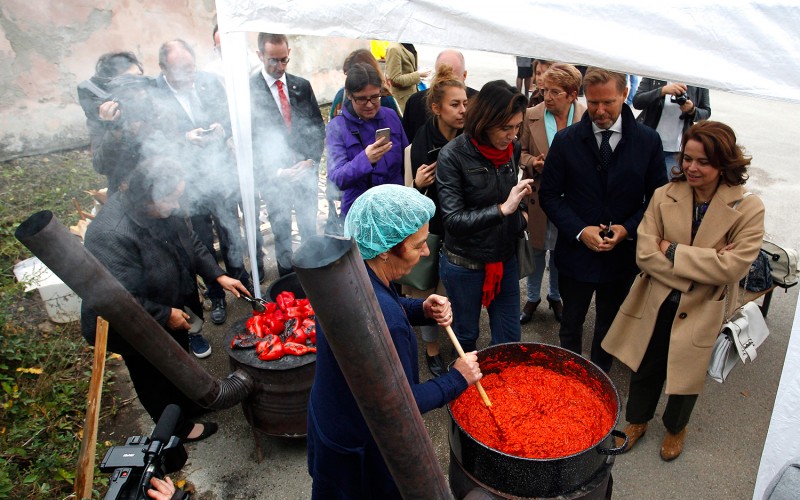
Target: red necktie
286,110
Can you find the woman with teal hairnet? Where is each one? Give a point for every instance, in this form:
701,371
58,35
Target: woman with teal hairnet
390,226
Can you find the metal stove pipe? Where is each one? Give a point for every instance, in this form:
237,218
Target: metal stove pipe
335,280
64,254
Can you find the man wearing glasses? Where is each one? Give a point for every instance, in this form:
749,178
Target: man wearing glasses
288,139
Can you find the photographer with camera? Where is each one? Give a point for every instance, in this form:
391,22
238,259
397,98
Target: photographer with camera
671,108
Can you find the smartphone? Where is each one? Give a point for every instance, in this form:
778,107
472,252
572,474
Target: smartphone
433,155
382,132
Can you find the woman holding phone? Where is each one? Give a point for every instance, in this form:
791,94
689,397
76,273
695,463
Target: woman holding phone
481,204
447,101
361,152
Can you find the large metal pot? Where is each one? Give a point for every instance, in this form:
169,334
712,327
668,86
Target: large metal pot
530,477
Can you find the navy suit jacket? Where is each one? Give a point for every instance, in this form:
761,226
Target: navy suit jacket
576,193
274,146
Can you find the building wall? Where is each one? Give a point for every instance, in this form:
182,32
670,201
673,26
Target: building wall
47,48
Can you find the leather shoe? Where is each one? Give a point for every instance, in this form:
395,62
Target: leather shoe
634,432
672,446
557,307
209,428
218,311
436,365
527,311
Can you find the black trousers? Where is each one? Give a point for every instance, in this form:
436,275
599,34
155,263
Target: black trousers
648,382
222,215
577,296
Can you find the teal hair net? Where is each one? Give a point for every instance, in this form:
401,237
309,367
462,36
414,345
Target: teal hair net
384,216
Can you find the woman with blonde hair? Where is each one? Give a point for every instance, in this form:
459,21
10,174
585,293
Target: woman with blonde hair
447,101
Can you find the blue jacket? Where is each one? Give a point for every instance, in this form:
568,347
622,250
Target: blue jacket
348,167
343,458
575,194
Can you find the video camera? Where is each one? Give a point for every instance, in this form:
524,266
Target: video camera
141,458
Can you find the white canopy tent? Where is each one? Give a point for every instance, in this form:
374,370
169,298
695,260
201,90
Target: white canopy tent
747,48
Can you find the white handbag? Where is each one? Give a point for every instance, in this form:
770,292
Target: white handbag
738,340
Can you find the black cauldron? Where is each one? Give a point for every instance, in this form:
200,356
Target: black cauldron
532,477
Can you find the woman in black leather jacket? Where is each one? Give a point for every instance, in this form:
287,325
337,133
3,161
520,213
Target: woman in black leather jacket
479,199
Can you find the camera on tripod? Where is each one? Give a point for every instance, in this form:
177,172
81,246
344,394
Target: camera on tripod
142,458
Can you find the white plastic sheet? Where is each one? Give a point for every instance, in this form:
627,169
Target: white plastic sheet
743,47
747,48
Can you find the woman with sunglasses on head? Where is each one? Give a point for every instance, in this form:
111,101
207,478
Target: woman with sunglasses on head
447,102
357,158
697,239
480,200
559,87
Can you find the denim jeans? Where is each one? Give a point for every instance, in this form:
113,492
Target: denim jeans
535,280
465,290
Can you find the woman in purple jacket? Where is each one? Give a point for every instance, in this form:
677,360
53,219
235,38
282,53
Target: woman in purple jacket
357,158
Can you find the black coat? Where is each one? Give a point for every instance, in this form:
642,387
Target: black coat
274,147
470,188
648,98
156,260
575,194
425,149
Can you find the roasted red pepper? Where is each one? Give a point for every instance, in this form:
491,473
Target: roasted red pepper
270,348
297,349
298,336
244,341
285,300
296,312
253,326
310,328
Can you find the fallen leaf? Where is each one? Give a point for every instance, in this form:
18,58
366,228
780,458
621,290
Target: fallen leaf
33,371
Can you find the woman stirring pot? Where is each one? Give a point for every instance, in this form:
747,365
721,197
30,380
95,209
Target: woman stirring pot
697,239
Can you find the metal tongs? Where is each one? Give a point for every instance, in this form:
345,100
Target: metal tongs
256,304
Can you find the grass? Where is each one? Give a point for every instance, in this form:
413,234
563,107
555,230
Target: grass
44,367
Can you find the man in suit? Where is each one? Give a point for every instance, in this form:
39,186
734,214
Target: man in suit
193,115
417,111
598,178
288,140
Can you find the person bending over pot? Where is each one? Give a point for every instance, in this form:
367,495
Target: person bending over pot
390,226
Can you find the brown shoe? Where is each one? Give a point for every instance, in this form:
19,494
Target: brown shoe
672,446
634,432
558,308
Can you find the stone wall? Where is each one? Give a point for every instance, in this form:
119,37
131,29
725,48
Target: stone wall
47,48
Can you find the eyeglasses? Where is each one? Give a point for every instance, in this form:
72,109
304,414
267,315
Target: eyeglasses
273,61
553,92
375,99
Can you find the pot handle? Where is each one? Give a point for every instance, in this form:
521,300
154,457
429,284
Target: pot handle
615,451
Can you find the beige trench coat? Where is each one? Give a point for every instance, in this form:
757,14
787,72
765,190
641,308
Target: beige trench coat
401,71
700,271
534,143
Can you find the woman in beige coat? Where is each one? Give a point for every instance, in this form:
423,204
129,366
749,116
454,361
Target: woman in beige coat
697,239
560,109
401,70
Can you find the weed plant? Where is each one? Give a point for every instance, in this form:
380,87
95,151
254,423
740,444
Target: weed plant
44,368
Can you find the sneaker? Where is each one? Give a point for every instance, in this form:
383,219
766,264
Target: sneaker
200,346
218,312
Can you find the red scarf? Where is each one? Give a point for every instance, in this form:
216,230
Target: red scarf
496,156
493,270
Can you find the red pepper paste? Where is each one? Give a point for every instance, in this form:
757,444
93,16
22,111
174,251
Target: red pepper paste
535,413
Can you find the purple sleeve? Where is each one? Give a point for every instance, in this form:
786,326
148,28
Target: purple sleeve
347,161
